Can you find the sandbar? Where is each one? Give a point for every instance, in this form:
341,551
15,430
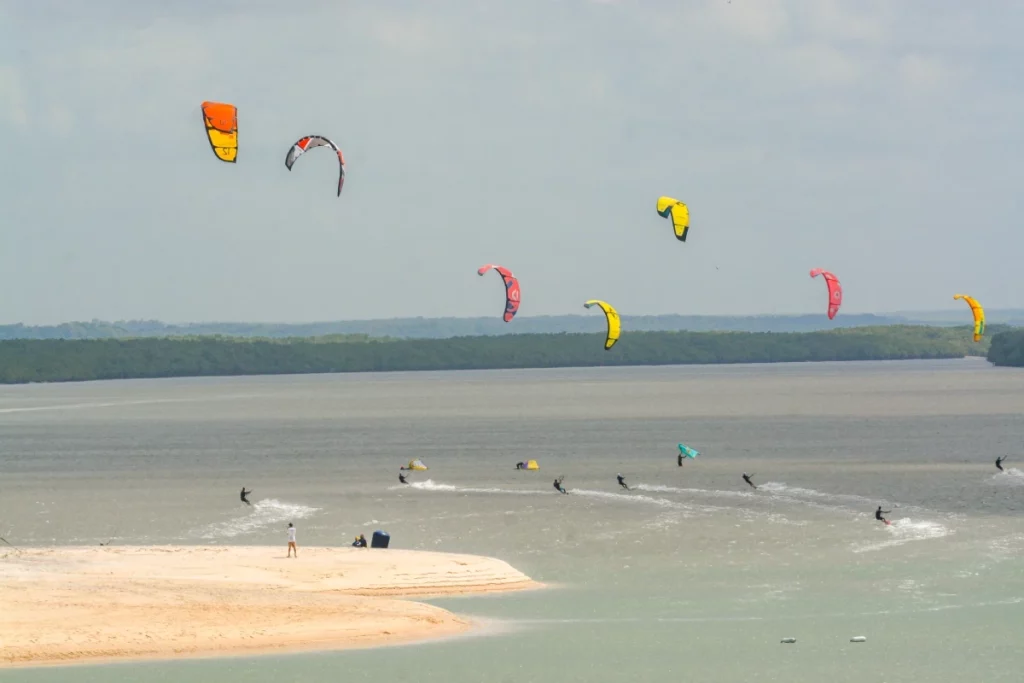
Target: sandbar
75,605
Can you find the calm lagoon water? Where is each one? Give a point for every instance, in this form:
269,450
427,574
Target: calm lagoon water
688,575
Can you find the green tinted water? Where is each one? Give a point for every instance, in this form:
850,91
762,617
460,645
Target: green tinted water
689,575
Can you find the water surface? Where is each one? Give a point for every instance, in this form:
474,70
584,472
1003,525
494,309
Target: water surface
689,575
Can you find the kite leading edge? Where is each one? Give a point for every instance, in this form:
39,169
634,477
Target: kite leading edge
511,288
979,315
309,142
612,317
835,291
680,214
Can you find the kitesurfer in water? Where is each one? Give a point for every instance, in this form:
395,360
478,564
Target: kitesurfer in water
401,478
999,463
558,485
879,512
520,465
243,496
680,459
622,482
746,478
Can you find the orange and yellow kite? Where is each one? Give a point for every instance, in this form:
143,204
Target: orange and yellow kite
221,122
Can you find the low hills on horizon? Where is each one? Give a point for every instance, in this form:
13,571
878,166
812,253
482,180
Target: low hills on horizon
448,327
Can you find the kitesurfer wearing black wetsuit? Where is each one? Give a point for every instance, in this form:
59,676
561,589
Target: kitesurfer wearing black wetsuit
622,482
746,478
680,459
879,512
243,496
558,485
999,463
520,465
401,478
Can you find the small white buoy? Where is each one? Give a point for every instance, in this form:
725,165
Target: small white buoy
858,639
788,640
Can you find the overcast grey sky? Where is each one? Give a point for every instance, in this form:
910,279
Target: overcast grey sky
880,139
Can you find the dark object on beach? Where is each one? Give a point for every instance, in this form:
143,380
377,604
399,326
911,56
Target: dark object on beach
380,539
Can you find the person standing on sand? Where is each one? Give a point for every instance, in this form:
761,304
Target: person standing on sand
291,541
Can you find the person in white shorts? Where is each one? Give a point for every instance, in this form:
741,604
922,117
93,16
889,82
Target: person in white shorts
291,541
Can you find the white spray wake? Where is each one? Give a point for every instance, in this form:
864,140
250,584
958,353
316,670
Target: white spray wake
1009,477
905,530
431,485
264,513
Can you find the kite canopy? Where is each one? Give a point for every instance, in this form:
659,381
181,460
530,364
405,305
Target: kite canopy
680,214
612,316
835,291
532,465
511,288
687,451
221,121
416,465
979,315
311,142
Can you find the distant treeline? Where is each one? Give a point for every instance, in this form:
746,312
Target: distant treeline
93,359
443,328
1007,348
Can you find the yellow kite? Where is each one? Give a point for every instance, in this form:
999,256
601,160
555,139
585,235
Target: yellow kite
680,215
221,121
613,321
979,315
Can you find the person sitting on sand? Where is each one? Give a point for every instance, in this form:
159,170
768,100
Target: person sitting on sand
622,482
360,541
401,478
291,541
558,485
244,494
746,478
879,512
999,463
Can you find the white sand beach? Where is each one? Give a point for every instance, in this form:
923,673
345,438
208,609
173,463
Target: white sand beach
64,605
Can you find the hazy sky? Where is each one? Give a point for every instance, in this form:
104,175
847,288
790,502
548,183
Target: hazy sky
879,139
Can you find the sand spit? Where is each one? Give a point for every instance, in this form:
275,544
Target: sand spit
68,605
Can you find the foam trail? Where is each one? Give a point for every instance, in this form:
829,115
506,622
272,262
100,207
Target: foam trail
264,513
906,530
795,493
431,485
686,508
625,497
860,504
754,496
648,500
657,488
1009,477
